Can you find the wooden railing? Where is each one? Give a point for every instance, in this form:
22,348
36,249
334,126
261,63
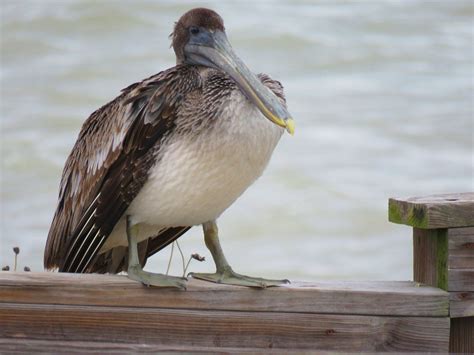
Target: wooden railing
57,313
443,254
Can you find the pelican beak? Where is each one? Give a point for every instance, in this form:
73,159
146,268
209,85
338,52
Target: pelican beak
212,49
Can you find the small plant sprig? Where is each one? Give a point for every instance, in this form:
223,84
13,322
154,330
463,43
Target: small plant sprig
16,251
194,256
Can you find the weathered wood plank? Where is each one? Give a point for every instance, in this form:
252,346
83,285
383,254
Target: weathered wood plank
28,346
461,304
461,248
373,298
430,256
459,260
457,234
205,328
461,280
436,211
462,335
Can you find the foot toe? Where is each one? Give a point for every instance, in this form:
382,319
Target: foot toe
149,279
232,278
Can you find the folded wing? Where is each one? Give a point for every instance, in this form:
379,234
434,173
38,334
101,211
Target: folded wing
107,166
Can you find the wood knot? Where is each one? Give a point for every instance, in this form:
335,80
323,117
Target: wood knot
468,246
330,331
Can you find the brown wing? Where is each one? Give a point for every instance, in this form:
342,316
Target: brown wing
108,164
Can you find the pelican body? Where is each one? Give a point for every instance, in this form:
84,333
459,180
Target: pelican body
172,151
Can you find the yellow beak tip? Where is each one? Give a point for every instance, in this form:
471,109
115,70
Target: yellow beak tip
290,126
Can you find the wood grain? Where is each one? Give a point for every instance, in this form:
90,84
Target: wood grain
373,298
461,272
430,257
28,346
461,248
209,328
461,304
461,280
462,335
436,211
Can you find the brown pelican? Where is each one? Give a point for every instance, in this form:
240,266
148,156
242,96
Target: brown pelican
172,151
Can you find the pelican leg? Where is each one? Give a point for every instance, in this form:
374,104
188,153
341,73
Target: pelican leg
135,270
224,273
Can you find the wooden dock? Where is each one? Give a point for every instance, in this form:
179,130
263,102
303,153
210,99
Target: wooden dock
75,313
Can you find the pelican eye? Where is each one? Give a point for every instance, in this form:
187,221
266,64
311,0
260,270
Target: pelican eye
194,30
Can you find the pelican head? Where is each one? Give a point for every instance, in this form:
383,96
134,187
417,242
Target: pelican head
199,38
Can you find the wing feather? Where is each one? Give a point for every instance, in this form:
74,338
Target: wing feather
108,164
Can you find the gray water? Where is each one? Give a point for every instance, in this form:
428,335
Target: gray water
382,94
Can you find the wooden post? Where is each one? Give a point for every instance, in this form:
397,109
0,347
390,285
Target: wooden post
443,254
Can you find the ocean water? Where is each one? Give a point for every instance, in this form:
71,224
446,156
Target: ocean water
382,95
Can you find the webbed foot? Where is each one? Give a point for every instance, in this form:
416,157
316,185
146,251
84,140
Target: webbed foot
157,280
229,277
